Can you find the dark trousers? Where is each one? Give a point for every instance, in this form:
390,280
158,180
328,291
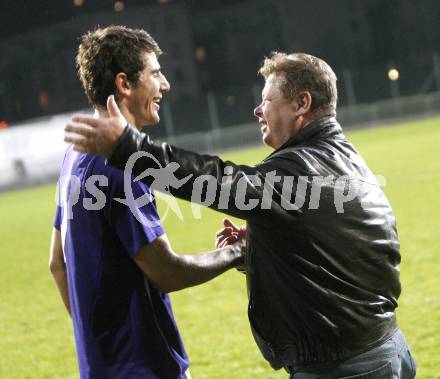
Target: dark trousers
391,360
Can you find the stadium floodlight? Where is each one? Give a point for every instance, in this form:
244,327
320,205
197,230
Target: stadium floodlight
393,74
119,6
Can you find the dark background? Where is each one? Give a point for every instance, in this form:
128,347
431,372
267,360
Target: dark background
214,48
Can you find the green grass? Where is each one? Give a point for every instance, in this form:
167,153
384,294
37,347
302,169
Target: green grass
36,334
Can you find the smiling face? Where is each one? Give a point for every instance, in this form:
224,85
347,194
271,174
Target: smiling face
140,104
276,114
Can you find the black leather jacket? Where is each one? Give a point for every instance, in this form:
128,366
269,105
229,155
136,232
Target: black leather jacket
323,277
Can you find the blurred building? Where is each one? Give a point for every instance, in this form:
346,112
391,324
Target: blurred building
214,48
364,37
39,66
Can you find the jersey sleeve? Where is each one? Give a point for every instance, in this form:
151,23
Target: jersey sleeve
58,218
133,216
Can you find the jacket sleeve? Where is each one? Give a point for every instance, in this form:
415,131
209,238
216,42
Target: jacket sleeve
237,190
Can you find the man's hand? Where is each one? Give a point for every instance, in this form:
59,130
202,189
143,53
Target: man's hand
96,135
230,234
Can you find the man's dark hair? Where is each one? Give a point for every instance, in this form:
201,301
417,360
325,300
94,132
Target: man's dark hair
105,52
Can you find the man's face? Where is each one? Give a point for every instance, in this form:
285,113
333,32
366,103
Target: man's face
276,114
144,99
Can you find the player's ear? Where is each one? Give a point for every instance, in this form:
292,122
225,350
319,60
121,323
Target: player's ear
303,102
122,84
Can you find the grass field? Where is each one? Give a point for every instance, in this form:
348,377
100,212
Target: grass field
36,334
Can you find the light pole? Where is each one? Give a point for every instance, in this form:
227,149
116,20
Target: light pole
393,76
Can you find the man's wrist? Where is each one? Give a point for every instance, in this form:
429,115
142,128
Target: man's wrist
237,250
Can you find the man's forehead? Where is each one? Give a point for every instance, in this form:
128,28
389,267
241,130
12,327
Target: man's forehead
274,78
272,82
151,61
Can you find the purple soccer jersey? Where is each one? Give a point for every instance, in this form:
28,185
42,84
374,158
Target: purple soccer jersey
124,326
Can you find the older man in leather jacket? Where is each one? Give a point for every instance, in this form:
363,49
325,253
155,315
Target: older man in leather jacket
322,247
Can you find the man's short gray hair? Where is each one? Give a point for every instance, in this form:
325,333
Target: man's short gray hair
304,72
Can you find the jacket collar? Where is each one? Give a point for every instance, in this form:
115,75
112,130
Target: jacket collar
324,125
327,125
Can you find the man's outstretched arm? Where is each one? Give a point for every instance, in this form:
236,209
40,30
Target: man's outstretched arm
233,189
172,272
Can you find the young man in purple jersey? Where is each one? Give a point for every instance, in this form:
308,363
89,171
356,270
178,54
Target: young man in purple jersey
112,265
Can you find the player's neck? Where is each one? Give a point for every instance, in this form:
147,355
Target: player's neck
100,113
